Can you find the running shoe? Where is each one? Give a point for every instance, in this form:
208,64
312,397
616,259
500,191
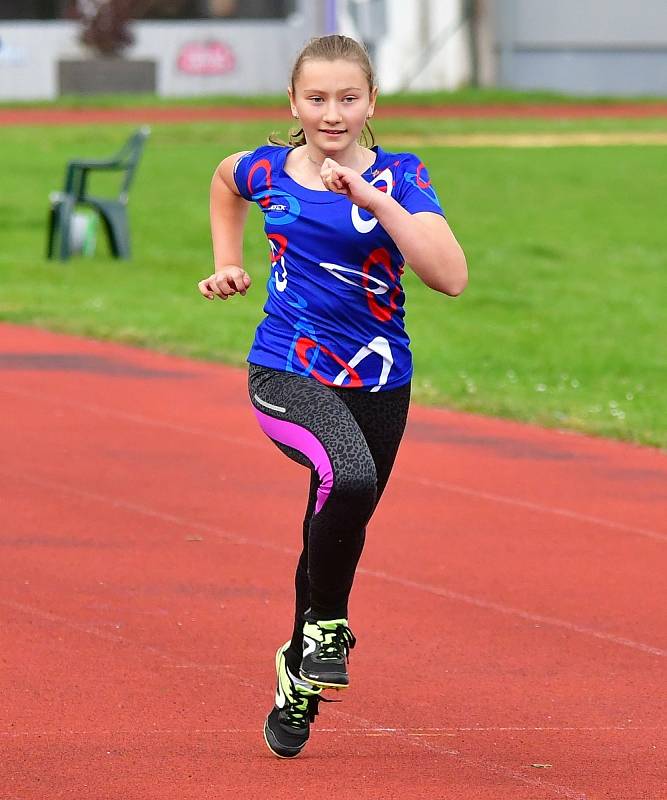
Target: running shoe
326,651
287,727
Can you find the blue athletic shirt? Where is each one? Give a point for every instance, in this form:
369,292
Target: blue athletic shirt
335,302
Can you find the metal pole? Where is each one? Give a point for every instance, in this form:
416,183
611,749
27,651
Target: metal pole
473,13
330,17
507,26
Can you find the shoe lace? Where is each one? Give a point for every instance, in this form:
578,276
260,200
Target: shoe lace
337,643
305,708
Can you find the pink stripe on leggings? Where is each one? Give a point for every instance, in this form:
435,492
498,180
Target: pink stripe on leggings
305,442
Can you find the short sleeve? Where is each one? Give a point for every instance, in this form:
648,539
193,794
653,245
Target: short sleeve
415,191
253,172
242,173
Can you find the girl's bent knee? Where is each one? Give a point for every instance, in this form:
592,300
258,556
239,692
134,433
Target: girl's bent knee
357,492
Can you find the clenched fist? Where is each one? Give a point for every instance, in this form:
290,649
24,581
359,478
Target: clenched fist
343,180
224,283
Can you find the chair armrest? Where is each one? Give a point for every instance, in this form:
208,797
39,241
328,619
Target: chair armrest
107,163
76,173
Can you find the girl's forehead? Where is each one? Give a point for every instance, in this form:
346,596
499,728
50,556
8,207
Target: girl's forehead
335,75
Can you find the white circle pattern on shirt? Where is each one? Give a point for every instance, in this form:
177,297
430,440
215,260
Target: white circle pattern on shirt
367,225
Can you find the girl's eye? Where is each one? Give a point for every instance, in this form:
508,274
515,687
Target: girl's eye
316,99
350,99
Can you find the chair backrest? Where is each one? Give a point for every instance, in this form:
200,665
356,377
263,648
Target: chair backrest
128,157
125,160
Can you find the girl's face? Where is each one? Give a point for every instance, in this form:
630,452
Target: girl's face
333,101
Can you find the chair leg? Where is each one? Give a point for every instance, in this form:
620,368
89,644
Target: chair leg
51,229
62,228
60,211
118,228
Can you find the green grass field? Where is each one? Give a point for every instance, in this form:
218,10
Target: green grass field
466,95
563,322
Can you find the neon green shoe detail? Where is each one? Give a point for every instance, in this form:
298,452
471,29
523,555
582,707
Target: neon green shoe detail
292,692
326,649
287,727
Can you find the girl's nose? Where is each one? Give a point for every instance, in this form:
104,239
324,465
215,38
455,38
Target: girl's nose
331,112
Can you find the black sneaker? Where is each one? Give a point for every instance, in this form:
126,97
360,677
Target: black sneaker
326,649
287,727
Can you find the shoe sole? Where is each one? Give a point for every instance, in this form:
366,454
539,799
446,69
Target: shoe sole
267,733
323,684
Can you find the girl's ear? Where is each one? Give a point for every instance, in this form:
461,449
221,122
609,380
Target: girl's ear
290,94
371,107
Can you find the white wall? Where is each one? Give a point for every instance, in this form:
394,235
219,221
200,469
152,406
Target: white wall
263,50
27,51
263,54
582,46
587,22
411,27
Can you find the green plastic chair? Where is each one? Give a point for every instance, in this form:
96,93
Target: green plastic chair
113,212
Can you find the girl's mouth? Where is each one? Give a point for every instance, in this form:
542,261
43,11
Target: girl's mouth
331,131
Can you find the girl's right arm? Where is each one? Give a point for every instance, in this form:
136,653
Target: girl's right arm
228,215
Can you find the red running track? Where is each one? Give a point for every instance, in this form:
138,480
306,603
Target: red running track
509,606
170,114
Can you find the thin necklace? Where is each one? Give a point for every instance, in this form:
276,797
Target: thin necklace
312,160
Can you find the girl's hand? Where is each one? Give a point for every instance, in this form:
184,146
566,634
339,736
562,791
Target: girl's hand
344,180
225,282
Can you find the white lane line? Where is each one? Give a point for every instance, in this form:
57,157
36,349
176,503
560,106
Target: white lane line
139,419
488,766
515,501
439,591
115,638
260,445
499,769
516,612
377,731
366,725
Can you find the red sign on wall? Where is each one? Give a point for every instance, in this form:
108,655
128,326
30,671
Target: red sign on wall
206,58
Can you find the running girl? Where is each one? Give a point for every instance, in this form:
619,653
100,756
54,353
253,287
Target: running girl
330,366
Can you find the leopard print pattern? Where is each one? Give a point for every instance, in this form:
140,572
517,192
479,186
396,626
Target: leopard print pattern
361,432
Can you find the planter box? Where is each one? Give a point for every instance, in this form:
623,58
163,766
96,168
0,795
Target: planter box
106,76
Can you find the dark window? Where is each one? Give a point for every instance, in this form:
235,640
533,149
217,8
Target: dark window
156,9
31,9
250,9
216,9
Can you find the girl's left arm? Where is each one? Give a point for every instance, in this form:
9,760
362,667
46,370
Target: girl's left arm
425,239
426,242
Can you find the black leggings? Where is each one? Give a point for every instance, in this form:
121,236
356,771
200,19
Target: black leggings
349,440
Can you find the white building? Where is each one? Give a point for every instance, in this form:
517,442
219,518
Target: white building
420,46
574,46
246,47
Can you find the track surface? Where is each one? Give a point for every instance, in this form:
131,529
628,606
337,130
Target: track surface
90,116
509,607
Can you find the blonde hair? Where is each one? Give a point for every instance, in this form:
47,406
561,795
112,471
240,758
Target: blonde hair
331,48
